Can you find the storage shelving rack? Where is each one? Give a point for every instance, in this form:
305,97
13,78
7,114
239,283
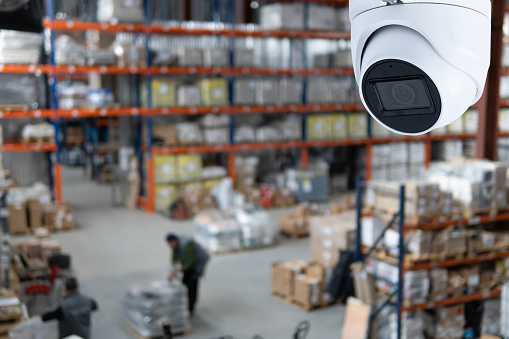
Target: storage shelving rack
362,254
145,113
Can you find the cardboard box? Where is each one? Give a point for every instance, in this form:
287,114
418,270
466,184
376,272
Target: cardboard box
287,273
293,225
189,167
357,319
18,219
267,92
307,291
164,135
165,169
318,90
54,217
198,200
451,312
214,92
244,57
283,198
189,57
34,213
364,284
290,91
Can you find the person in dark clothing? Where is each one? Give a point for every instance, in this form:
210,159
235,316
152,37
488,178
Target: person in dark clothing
189,258
73,313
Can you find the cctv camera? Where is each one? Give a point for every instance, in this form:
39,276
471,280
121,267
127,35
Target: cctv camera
420,64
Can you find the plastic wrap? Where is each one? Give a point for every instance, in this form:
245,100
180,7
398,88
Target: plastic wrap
257,228
216,136
213,121
290,91
290,129
101,57
20,47
34,328
244,134
72,94
189,57
212,172
216,57
244,92
189,96
120,10
189,133
268,134
147,305
43,130
217,231
21,89
267,92
68,51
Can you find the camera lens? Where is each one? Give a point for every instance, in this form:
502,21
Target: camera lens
403,94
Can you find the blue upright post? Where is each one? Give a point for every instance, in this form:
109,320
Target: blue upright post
231,79
358,188
55,182
401,281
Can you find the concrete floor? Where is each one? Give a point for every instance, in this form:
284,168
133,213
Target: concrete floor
114,247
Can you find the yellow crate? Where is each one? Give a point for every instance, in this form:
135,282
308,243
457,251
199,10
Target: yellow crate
339,126
165,196
189,167
214,92
318,127
358,125
165,169
164,93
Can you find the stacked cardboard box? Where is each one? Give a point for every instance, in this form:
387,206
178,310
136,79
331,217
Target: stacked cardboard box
301,281
245,170
10,311
198,200
58,217
297,224
451,322
330,235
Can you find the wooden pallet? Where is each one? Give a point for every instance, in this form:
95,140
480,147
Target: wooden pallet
138,336
14,108
5,326
410,259
491,211
20,232
295,236
38,140
107,106
305,307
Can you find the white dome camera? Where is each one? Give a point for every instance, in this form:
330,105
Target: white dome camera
420,64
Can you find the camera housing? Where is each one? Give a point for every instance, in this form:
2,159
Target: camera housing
420,64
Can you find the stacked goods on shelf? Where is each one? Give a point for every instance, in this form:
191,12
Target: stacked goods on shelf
311,184
146,305
245,171
423,200
398,161
32,207
20,47
331,234
297,225
302,283
235,229
197,200
448,149
77,94
504,311
216,129
120,11
38,133
283,16
477,185
331,90
11,313
21,92
74,135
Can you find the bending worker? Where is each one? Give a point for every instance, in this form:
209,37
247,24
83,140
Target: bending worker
189,258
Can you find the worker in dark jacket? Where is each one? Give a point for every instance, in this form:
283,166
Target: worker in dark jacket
73,313
189,258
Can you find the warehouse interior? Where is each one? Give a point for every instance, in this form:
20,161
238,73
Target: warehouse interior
153,151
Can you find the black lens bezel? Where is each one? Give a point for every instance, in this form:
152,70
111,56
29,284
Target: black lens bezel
407,121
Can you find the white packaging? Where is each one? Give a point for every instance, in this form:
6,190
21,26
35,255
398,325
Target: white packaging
321,18
189,96
267,92
216,57
245,92
372,228
282,16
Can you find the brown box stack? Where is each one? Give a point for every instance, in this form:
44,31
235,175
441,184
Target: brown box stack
283,198
251,194
34,213
364,284
18,218
283,276
451,322
198,200
59,217
330,235
298,224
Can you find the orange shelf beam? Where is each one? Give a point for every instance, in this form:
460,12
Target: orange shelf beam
191,149
39,113
101,112
63,25
71,69
14,147
480,219
504,102
438,137
7,68
454,301
452,262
